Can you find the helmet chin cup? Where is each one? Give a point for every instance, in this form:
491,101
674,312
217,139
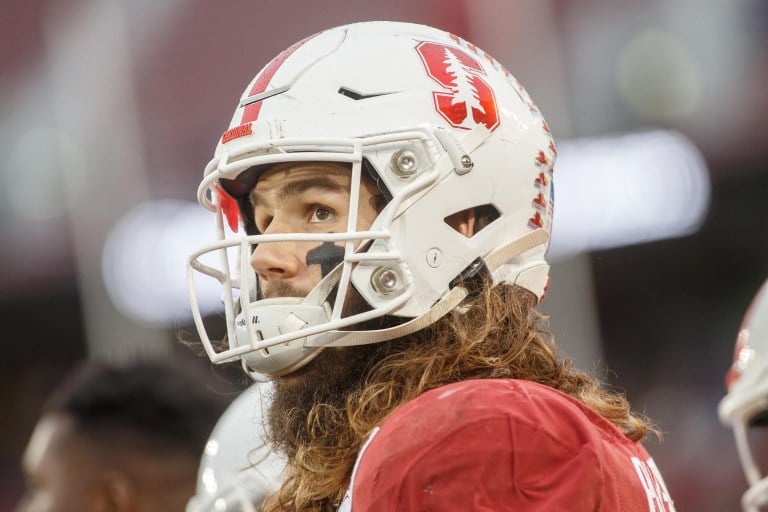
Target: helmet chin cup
268,318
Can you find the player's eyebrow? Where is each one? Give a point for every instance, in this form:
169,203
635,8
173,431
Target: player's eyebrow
299,186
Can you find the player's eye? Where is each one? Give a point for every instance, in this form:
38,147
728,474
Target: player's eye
321,214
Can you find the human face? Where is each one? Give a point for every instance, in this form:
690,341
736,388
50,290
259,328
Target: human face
60,474
304,198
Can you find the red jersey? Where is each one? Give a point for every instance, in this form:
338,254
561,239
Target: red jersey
493,445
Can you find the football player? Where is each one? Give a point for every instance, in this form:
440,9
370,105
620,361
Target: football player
383,198
121,437
745,407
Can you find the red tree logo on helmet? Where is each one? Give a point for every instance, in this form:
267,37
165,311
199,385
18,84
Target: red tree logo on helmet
468,99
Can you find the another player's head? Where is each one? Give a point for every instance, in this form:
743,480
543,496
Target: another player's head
745,407
238,468
381,171
122,438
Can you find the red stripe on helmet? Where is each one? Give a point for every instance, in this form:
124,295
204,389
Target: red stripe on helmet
251,112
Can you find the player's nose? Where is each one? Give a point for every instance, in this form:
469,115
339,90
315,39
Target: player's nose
275,260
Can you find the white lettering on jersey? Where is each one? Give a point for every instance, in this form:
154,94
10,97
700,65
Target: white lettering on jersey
346,503
659,499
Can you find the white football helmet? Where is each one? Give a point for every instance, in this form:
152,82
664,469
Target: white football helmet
238,469
746,403
440,126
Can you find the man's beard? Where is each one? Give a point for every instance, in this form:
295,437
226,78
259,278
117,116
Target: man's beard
326,381
280,289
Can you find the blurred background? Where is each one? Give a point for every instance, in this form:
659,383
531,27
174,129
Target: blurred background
110,109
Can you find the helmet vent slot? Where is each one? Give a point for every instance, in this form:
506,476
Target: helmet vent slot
484,215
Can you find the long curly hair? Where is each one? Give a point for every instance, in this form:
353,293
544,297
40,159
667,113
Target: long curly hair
496,334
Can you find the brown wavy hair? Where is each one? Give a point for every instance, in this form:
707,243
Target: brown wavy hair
496,334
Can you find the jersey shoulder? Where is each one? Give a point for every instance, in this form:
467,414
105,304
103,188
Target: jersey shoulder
497,445
527,407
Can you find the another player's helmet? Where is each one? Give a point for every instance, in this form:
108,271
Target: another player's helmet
440,126
746,403
237,469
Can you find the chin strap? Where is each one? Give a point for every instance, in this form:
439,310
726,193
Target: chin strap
449,301
505,253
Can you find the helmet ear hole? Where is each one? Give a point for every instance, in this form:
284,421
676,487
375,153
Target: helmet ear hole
471,221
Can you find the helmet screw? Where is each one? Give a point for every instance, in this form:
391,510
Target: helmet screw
388,279
434,257
406,163
385,280
466,164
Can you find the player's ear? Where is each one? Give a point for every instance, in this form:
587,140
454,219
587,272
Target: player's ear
463,222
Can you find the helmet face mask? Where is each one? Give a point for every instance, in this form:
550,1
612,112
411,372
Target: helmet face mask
745,406
439,126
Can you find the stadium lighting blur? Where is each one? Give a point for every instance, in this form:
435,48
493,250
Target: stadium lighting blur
145,256
658,77
628,189
610,192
